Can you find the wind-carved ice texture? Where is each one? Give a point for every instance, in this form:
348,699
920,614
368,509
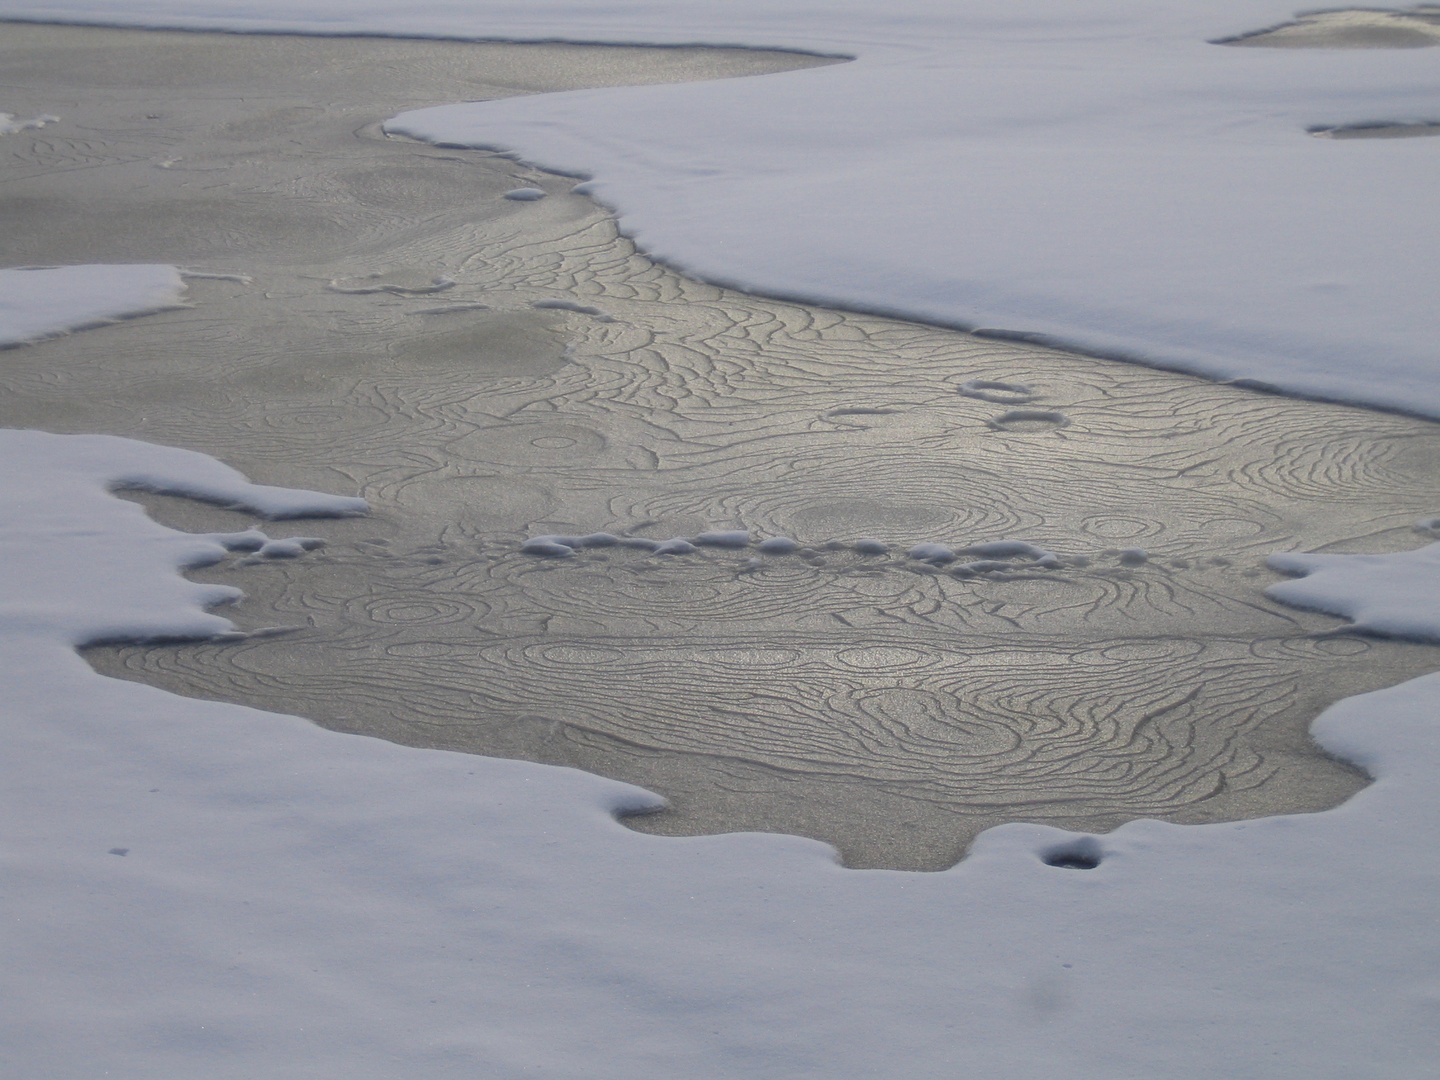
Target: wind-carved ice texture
882,703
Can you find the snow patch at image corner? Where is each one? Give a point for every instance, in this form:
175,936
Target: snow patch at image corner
196,888
1394,595
85,565
41,302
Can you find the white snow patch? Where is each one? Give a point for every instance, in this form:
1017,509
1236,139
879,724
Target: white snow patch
10,126
931,552
40,302
1397,595
726,538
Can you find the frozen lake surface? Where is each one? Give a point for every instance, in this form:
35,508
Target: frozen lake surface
870,581
486,368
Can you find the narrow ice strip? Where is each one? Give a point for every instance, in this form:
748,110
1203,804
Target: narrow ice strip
40,302
1397,595
196,889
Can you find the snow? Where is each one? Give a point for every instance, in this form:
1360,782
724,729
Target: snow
932,552
11,126
725,538
40,302
1093,172
200,889
1396,595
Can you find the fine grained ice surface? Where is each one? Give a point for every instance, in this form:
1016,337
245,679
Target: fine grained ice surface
294,903
1090,170
38,302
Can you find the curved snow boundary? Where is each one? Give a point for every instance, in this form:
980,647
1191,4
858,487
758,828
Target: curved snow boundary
43,301
200,889
1394,595
84,565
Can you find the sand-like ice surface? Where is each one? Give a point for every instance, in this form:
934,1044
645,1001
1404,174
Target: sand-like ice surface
234,893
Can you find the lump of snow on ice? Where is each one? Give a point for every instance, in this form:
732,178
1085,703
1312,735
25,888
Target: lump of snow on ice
733,538
289,548
561,546
571,305
1029,416
1004,549
553,547
40,302
10,126
525,194
779,545
932,553
1133,556
870,546
1397,595
677,546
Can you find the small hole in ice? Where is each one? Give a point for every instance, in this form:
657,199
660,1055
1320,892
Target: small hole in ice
1082,854
997,393
1028,420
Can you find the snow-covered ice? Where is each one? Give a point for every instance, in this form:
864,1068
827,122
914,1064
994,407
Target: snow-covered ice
39,302
1397,594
